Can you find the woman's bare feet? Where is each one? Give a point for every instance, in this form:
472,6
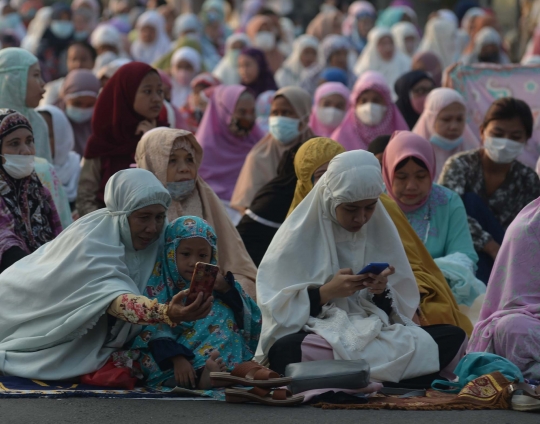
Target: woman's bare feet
213,364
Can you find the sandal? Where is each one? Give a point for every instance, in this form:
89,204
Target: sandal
524,397
271,397
249,374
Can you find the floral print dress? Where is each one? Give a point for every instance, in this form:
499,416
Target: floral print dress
232,328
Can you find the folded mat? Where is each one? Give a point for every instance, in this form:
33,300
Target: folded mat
16,387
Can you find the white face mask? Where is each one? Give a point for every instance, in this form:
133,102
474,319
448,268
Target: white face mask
370,113
265,40
330,116
19,166
502,150
79,114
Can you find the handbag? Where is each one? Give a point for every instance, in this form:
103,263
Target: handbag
333,374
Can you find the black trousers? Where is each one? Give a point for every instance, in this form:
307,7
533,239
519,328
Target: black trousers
256,237
449,338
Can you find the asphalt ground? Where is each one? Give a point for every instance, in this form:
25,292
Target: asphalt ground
128,411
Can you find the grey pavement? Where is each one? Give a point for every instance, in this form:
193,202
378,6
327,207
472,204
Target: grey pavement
120,411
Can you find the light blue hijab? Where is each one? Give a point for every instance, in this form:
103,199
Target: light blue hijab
14,65
53,302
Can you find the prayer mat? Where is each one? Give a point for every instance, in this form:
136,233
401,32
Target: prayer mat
16,387
492,391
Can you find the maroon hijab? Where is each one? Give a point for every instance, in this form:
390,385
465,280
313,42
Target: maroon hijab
115,121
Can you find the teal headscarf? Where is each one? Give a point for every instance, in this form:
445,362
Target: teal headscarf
53,302
218,331
14,65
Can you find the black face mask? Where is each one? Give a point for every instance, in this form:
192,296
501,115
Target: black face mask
489,58
243,126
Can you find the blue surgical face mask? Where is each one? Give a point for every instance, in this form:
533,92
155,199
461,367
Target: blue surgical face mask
81,35
62,29
284,129
181,189
445,143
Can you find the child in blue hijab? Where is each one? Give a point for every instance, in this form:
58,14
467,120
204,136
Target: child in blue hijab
186,354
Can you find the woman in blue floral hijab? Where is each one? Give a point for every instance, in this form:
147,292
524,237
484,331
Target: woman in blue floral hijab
185,355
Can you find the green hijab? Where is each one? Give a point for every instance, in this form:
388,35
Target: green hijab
14,65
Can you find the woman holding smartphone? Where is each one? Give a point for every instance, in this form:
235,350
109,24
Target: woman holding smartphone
67,307
318,308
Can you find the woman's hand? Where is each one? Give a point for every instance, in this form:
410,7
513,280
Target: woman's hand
344,284
179,313
145,126
492,248
376,284
184,374
221,285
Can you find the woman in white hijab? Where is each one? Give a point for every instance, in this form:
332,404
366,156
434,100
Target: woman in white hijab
441,38
152,40
381,55
227,69
406,38
57,305
185,65
67,163
487,48
302,60
36,29
308,283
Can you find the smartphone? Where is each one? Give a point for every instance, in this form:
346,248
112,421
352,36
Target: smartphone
374,268
203,280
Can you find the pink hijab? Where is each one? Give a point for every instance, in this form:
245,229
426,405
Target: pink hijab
403,145
324,90
352,134
224,152
436,101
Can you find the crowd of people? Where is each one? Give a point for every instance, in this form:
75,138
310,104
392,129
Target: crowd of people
139,138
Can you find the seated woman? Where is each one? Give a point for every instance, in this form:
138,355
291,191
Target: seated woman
378,146
444,123
260,30
494,186
299,63
288,128
509,319
334,51
381,55
152,40
128,106
263,107
67,163
19,65
174,157
437,304
186,354
193,110
406,37
412,90
78,97
436,213
254,71
28,216
371,113
488,48
185,65
95,273
359,22
428,62
228,133
227,69
330,105
316,303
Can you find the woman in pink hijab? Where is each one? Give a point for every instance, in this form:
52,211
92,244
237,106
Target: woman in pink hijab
329,108
371,113
227,133
444,124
